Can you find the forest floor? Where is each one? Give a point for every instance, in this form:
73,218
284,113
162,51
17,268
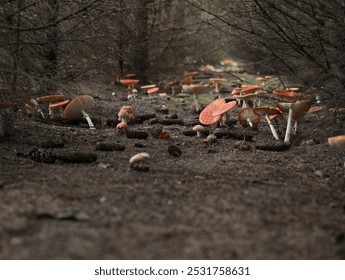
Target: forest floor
230,200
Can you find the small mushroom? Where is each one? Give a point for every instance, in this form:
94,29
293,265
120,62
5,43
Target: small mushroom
51,99
78,108
339,143
216,82
152,91
58,106
199,129
196,90
137,161
210,140
32,108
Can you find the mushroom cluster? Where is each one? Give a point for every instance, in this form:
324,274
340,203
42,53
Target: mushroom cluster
124,116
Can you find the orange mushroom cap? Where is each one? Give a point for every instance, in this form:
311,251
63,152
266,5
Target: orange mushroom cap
285,93
206,117
122,126
59,104
248,113
51,98
250,89
129,82
153,90
337,141
263,78
316,109
224,108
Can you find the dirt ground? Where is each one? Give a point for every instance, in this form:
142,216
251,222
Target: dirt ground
227,201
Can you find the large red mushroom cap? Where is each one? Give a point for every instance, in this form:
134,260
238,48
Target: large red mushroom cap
206,117
224,108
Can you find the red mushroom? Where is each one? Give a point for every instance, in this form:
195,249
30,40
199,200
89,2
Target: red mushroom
206,117
224,110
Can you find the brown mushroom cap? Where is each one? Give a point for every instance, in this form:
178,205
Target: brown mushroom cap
74,109
58,104
266,110
50,98
224,108
198,127
284,106
206,117
248,113
236,91
197,89
337,141
300,108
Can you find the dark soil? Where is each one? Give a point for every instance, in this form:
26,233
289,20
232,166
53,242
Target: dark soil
67,192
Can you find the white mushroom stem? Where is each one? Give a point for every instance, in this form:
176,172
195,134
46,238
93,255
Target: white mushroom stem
216,89
273,130
289,126
249,122
88,119
223,120
295,126
172,91
197,104
198,134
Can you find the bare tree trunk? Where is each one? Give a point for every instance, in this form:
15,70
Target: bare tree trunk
140,58
50,52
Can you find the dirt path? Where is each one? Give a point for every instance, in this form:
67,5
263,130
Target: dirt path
220,202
